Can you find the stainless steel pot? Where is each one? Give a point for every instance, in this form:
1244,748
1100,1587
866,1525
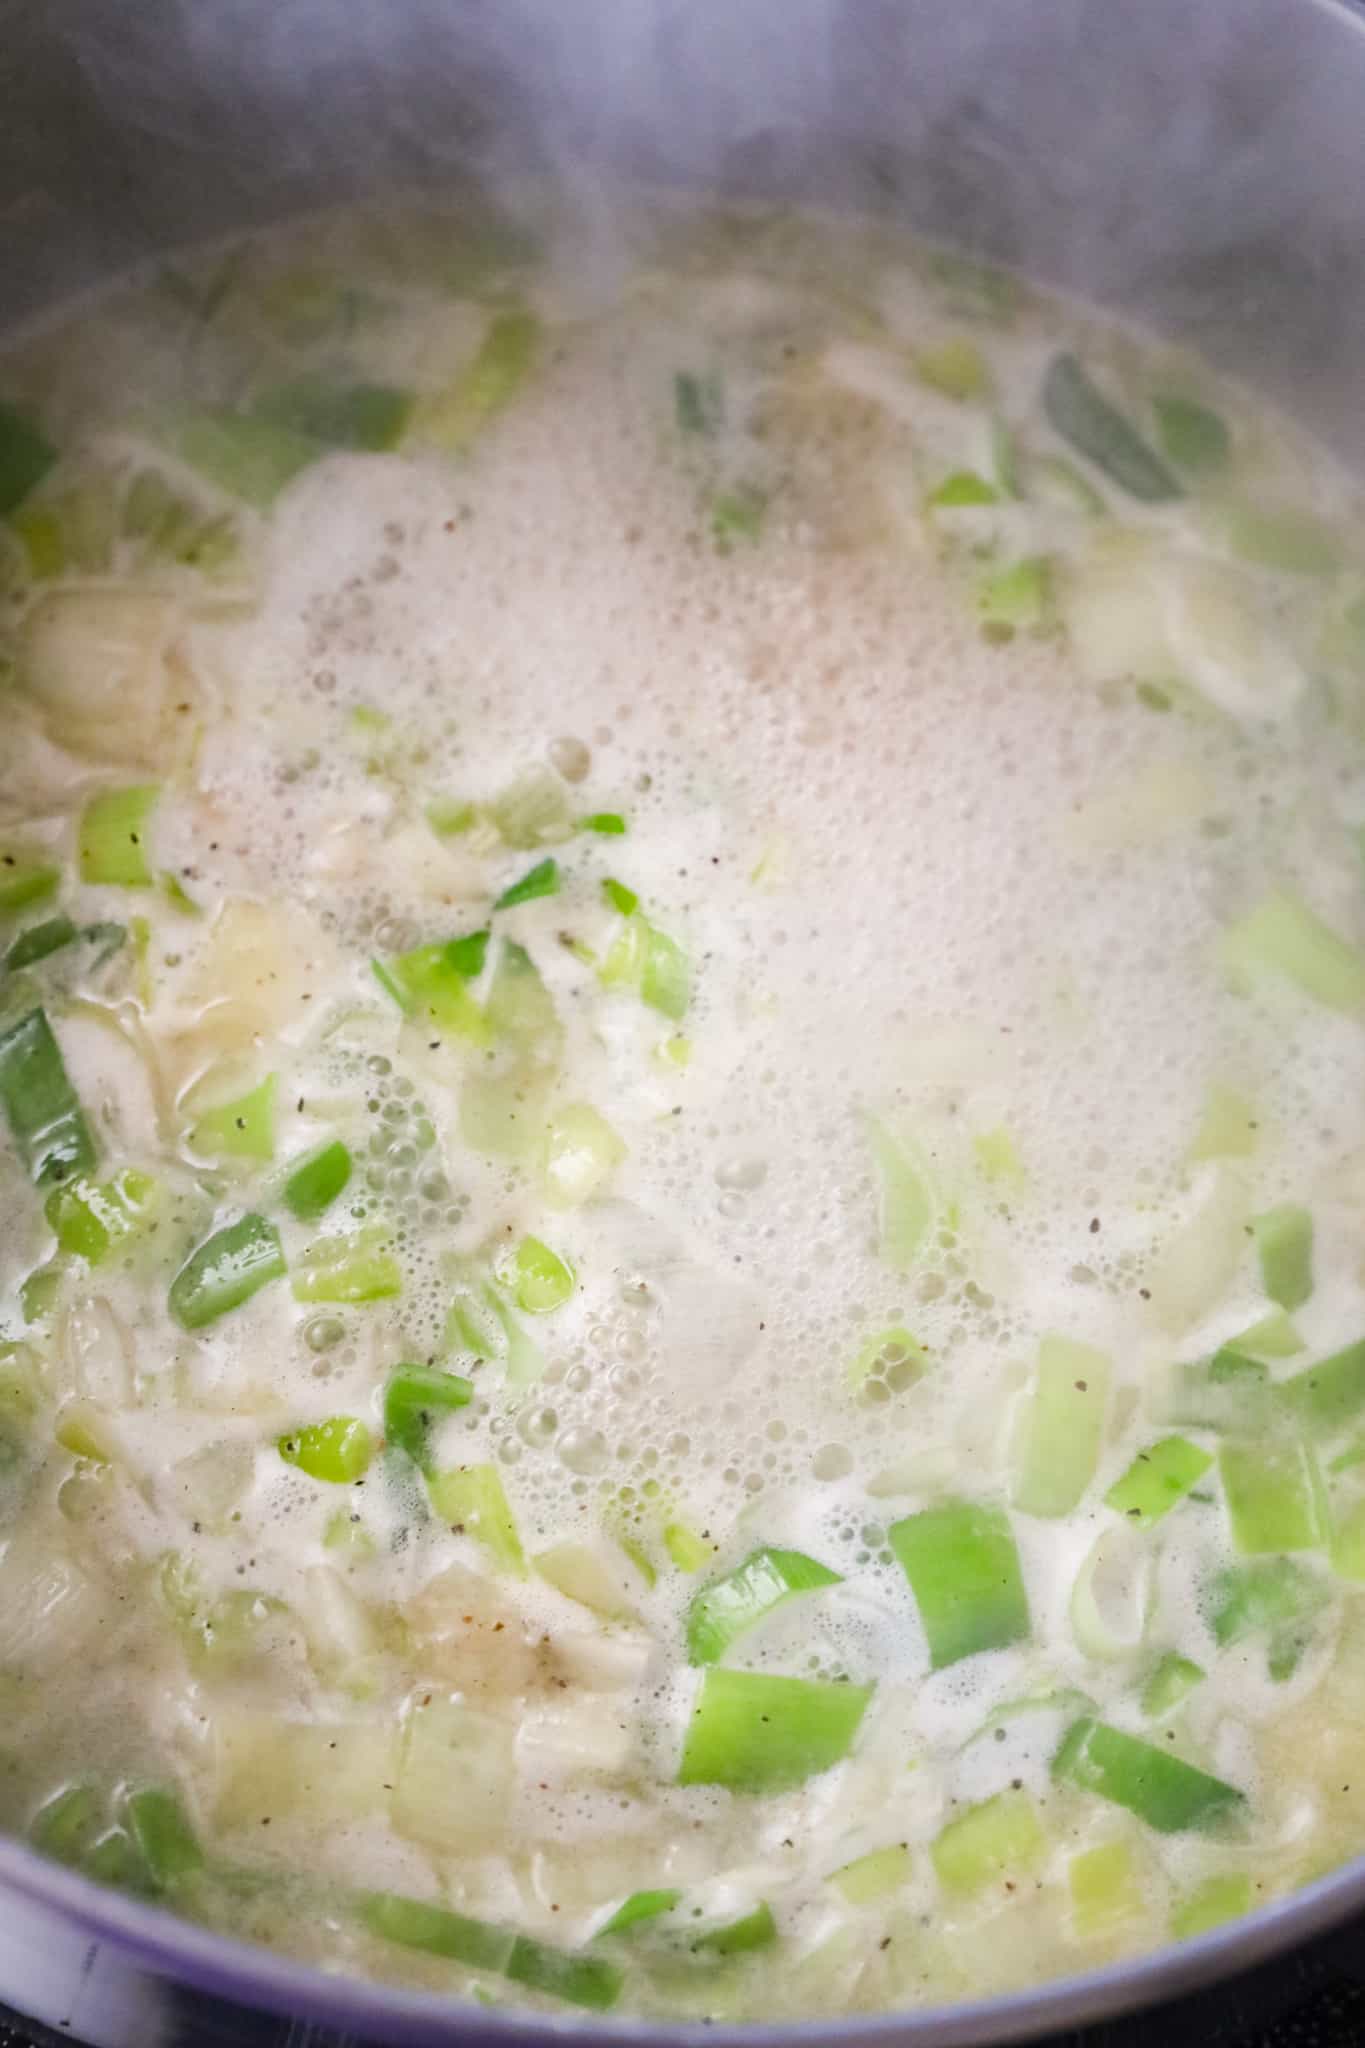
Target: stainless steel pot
1199,163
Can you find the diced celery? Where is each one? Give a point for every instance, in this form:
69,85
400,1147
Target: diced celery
371,417
42,1108
1284,1246
1283,937
90,1218
1274,1496
639,1907
316,1181
1172,1678
241,1129
1268,1596
906,1211
620,897
416,1395
1325,1397
161,1829
608,824
539,1280
962,487
338,1450
541,880
581,1153
1157,1478
1001,1838
891,1357
355,1269
25,881
115,833
1063,1427
871,1877
689,1552
1211,1904
754,1733
226,1270
1161,1789
1228,1127
26,456
964,1572
737,514
739,1937
246,456
1192,436
1083,416
1104,1889
955,367
471,1498
503,361
767,1580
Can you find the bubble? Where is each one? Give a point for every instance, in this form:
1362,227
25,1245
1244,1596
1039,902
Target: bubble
323,1333
583,1450
537,1426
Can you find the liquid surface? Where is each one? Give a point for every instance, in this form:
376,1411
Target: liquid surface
681,1306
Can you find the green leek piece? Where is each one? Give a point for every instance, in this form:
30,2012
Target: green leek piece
504,359
955,367
62,1827
639,1907
520,1008
756,1734
1274,1496
167,1843
38,1292
432,982
1324,1397
539,1280
1284,1246
1228,1127
246,456
767,1580
472,1499
1162,1790
996,1839
481,1322
114,837
449,816
962,487
964,1572
1172,1678
370,417
688,1551
1348,1542
997,1155
588,1981
892,1357
90,1218
44,1114
1063,1427
316,1181
1274,1336
541,880
1191,435
608,824
1284,538
38,942
1284,937
338,1450
1016,599
1063,484
241,1129
665,976
1211,1904
906,1209
1225,1392
26,456
1104,1889
737,515
1005,459
24,882
1157,1478
620,897
739,1937
116,1860
1078,410
872,1877
1266,1597
581,1153
226,1270
698,403
347,1269
533,811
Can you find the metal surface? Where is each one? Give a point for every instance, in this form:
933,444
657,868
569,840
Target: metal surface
1200,162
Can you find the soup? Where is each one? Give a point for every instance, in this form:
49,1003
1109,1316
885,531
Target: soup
681,1032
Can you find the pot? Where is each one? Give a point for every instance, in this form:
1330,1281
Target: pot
1197,164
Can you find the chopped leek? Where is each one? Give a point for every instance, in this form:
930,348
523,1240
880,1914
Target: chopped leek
581,1153
1016,599
588,1981
432,982
62,1827
541,880
416,1395
471,1498
609,824
1282,936
24,882
44,1114
226,1270
767,1580
1274,1496
955,367
1084,417
1284,538
1274,1336
241,1129
1225,1392
1157,1479
26,456
1348,1544
315,1182
964,1572
1326,1396
1228,1127
504,359
1161,1789
1192,436
246,456
891,1359
639,1907
1284,1246
347,1269
161,1829
538,1279
962,487
90,1218
1104,1889
370,417
38,941
1275,1596
871,1877
906,1210
620,897
688,1551
1211,1904
1171,1679
737,515
1063,1427
739,1937
698,403
754,1733
114,837
338,1450
993,1841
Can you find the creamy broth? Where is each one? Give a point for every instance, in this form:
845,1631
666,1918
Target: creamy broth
681,1317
